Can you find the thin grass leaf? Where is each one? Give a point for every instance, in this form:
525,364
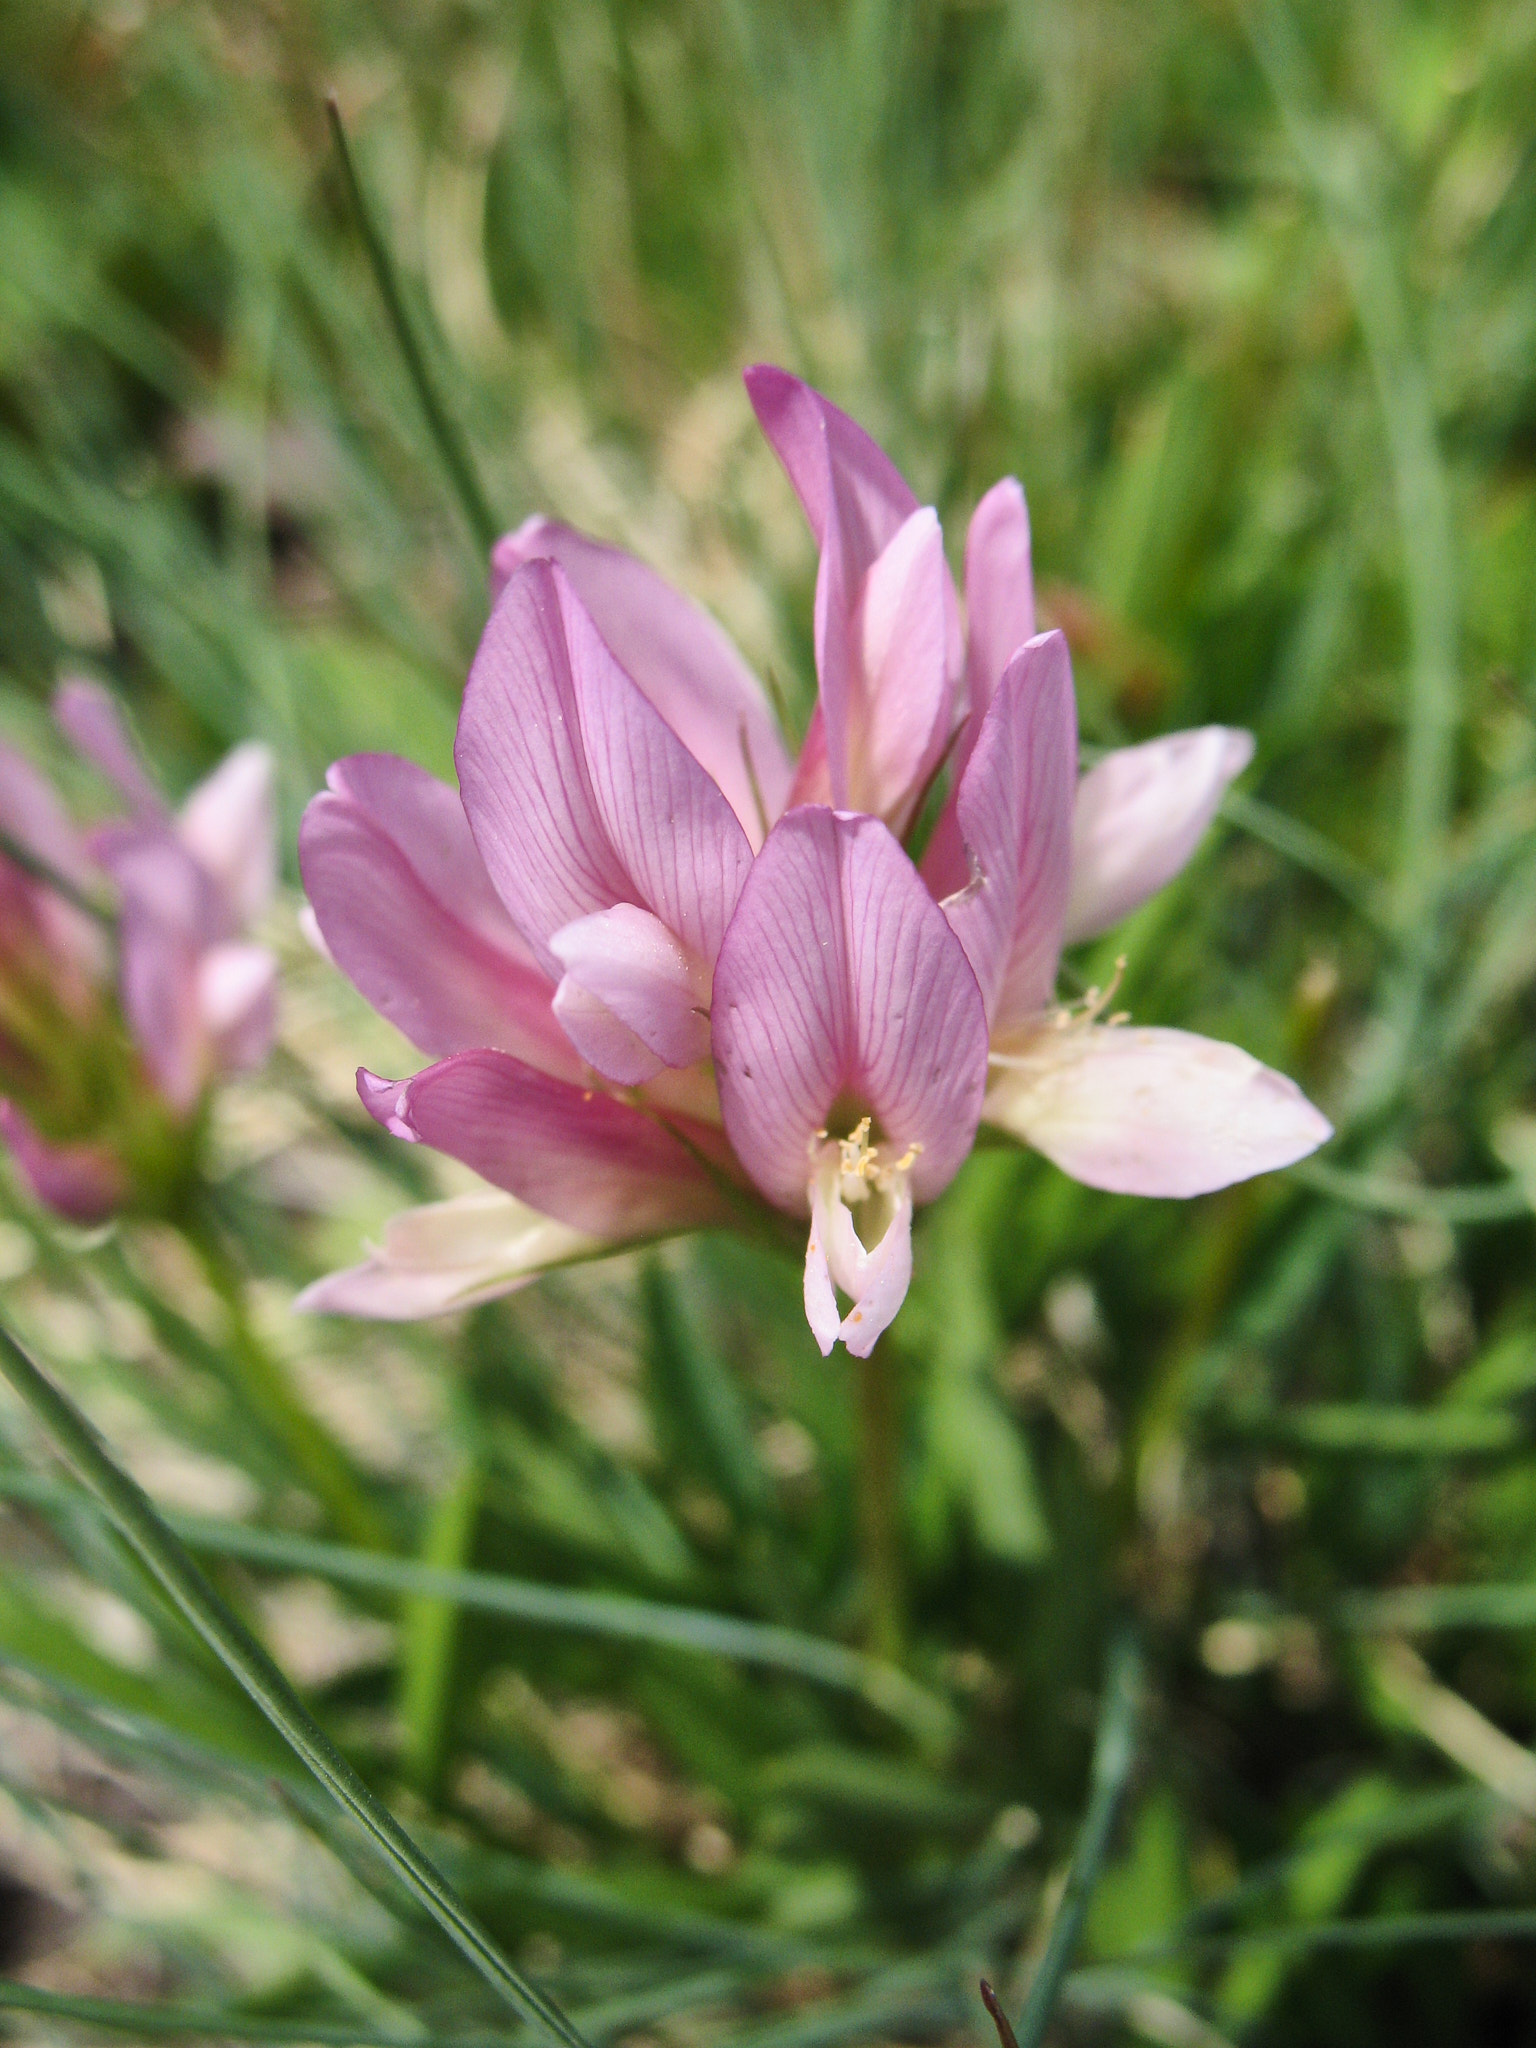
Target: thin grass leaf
259,1678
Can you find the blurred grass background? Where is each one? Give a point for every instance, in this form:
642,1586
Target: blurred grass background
1247,299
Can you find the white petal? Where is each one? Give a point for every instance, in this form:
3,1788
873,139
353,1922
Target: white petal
1140,814
1153,1112
448,1255
876,1279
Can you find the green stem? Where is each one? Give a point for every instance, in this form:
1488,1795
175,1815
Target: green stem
317,1457
135,1519
456,458
43,871
879,1480
1114,1752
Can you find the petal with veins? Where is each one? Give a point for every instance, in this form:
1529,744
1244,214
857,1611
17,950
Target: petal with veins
629,965
597,1164
448,1255
1140,814
1012,820
840,982
677,655
1152,1112
407,911
579,794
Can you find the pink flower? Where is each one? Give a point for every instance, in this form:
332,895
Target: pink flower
196,996
1025,857
670,979
587,945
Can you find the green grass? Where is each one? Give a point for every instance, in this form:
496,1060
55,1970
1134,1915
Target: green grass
570,1586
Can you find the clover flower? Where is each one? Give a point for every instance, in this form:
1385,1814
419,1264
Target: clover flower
670,979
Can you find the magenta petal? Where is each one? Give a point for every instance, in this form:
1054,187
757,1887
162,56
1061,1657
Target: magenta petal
89,715
582,1157
840,983
1139,816
81,1183
856,501
627,964
999,589
1154,1112
675,652
579,794
1012,816
407,911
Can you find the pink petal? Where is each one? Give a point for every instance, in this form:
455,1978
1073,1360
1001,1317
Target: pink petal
856,501
900,716
1153,1112
677,654
1140,814
408,913
169,915
88,714
1012,820
999,589
34,818
448,1255
228,824
81,1183
592,1162
624,969
579,794
237,999
840,983
877,1279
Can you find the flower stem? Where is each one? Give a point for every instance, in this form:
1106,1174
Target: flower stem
879,1530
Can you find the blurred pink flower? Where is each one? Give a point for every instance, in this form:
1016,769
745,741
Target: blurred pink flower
667,975
197,998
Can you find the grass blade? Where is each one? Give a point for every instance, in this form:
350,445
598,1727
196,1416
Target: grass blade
163,1555
1114,1752
483,523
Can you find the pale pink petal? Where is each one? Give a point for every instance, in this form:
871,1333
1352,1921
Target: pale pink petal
680,658
237,996
627,964
229,824
407,911
599,1165
89,716
1011,819
900,715
579,794
1153,1112
448,1255
999,589
840,984
876,1279
83,1183
1141,812
169,916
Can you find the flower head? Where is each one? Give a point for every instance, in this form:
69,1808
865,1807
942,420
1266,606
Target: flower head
101,1082
670,979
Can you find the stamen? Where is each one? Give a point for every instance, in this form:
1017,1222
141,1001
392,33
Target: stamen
1078,1016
